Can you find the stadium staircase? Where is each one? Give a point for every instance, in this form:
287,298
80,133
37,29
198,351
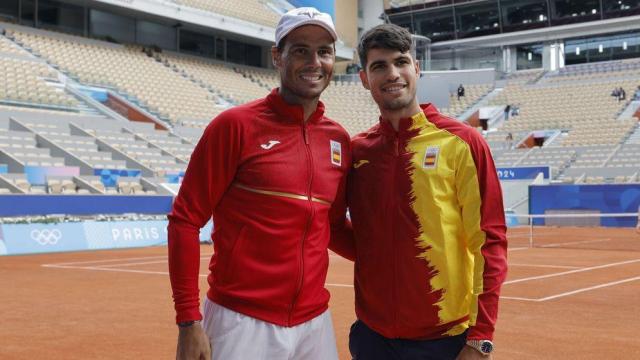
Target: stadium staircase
634,138
250,76
484,101
630,110
219,99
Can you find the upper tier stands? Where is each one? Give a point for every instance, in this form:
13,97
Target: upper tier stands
588,112
524,76
351,105
156,86
255,11
190,91
472,94
629,68
221,79
23,79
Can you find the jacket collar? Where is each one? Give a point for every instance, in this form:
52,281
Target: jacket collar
415,122
291,113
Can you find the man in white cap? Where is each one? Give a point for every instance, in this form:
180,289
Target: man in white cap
272,175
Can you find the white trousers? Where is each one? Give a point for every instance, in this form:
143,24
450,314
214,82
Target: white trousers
235,336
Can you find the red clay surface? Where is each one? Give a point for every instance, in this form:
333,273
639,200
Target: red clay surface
557,304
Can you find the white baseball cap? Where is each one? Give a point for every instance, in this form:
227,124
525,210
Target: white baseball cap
295,18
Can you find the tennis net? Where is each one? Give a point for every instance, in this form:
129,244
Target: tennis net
575,231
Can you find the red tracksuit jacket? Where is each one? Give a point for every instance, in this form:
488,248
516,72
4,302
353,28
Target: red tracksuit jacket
274,186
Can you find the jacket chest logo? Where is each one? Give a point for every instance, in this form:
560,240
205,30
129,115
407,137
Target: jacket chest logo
270,144
336,153
431,157
360,163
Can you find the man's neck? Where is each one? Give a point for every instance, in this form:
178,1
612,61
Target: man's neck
309,106
394,116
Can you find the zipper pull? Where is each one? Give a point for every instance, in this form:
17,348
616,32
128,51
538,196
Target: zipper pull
396,146
305,135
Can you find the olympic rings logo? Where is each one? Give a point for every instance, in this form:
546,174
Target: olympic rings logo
46,236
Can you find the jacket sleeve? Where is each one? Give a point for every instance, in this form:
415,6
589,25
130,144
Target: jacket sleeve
480,197
210,171
342,240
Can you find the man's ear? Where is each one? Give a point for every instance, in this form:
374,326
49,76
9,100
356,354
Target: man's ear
364,80
276,57
416,63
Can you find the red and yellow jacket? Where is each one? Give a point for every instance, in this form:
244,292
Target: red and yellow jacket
430,244
269,181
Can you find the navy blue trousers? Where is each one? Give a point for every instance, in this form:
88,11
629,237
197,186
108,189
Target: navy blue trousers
366,344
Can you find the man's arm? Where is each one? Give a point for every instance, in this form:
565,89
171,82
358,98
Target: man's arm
480,197
342,238
211,169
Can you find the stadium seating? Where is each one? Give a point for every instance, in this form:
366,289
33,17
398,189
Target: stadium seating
351,105
596,71
226,82
472,94
189,91
128,69
524,76
571,107
22,81
7,47
255,11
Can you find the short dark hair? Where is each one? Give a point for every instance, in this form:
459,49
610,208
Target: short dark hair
385,36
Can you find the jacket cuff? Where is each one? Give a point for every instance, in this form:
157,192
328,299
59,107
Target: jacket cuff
478,333
188,315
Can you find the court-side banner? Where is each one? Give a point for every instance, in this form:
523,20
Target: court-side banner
89,235
21,205
604,199
522,173
37,175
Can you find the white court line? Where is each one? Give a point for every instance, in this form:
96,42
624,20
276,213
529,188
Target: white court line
518,298
338,285
109,260
112,268
164,261
547,266
589,288
518,248
574,243
71,265
571,272
149,272
568,293
106,269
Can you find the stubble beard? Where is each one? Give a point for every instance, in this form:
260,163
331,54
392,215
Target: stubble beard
396,104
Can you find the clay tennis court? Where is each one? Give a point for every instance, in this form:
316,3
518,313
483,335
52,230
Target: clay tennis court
558,302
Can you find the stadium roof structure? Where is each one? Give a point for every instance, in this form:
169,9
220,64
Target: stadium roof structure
208,20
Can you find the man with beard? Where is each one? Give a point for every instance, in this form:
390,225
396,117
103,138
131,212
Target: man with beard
272,175
426,207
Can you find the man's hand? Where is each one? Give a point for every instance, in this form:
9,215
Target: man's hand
193,344
469,353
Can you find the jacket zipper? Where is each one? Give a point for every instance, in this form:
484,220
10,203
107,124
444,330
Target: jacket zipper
396,158
305,136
